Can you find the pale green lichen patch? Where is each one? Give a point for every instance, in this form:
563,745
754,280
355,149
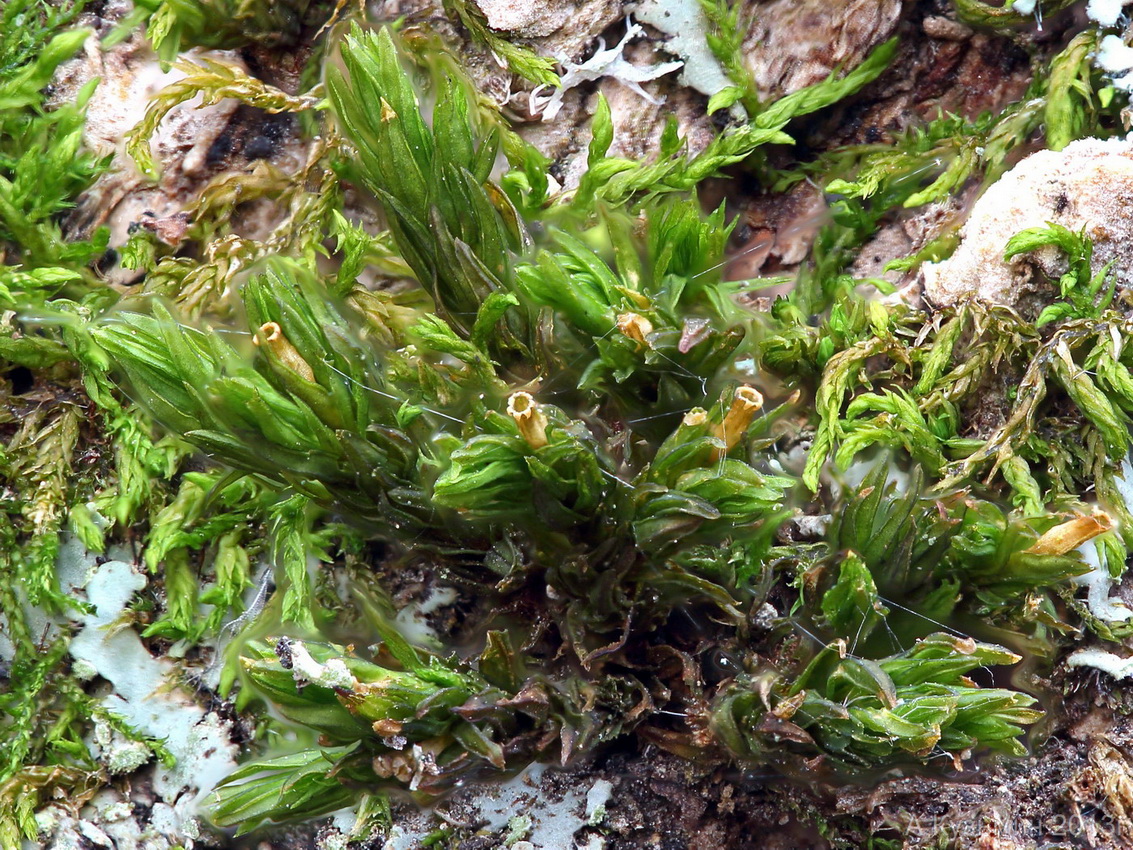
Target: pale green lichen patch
145,694
685,25
307,670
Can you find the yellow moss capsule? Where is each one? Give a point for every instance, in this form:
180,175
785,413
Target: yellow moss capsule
635,326
745,404
532,423
271,335
1071,534
695,417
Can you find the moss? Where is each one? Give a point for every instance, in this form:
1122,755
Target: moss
560,404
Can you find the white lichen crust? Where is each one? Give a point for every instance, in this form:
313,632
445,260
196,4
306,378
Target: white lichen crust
1098,583
1107,662
1105,12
